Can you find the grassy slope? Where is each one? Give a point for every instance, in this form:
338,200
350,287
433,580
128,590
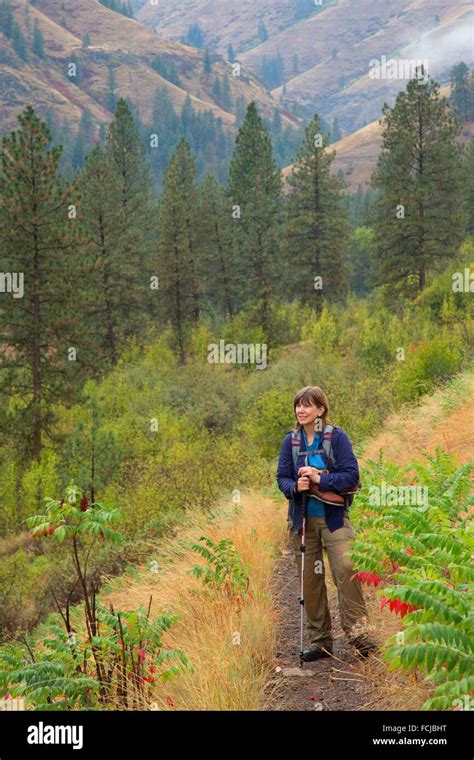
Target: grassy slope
376,30
444,419
221,21
357,154
411,35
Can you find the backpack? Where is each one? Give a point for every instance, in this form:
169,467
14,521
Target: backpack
344,498
326,446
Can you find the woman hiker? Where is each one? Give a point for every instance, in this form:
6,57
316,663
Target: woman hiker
327,526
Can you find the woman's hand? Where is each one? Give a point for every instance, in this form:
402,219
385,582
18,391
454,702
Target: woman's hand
310,472
302,484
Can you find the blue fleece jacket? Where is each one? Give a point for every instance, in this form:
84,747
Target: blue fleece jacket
344,475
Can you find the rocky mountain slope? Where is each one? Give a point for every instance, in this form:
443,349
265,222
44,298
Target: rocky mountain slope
326,56
118,48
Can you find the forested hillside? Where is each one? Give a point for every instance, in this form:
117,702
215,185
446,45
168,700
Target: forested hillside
75,60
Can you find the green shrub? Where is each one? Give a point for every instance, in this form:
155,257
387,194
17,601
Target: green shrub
268,420
428,364
418,551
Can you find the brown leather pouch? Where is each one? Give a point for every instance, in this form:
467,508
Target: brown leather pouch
331,497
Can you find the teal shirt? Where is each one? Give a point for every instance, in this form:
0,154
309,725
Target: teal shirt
315,507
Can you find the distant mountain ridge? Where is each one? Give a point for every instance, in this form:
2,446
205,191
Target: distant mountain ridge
333,49
326,56
115,43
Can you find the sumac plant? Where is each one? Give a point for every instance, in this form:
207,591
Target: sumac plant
100,657
224,571
420,556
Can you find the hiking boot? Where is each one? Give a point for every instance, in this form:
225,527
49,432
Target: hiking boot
309,655
364,645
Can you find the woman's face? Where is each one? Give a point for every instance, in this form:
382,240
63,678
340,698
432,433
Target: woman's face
307,413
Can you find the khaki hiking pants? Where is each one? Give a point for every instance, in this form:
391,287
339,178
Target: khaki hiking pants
352,607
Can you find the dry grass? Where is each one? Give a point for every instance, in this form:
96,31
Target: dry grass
444,419
226,676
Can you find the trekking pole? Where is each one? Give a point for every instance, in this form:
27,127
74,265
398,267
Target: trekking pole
304,509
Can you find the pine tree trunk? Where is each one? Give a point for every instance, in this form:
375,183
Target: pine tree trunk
194,281
422,277
179,320
36,351
225,279
264,291
421,206
317,238
112,339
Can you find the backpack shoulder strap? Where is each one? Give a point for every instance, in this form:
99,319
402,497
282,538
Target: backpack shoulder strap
295,445
327,443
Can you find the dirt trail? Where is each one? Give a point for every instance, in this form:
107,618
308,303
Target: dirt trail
317,691
369,686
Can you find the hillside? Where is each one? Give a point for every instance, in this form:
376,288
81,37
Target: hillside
333,76
444,419
117,43
222,22
357,153
326,53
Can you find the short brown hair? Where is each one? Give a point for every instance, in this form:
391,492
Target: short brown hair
312,394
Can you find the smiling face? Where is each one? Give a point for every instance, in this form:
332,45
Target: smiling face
307,413
311,407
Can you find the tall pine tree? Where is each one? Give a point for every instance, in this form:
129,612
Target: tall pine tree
419,219
109,291
318,228
469,192
219,272
461,93
179,290
39,241
128,159
255,187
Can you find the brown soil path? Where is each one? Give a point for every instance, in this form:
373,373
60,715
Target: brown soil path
317,685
